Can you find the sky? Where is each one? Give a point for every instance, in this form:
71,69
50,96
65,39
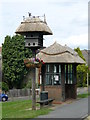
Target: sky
68,19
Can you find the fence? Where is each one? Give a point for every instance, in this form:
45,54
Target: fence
21,92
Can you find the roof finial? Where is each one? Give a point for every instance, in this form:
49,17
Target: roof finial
55,42
29,14
45,19
65,44
23,17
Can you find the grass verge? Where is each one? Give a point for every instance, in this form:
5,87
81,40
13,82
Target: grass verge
83,95
21,109
0,110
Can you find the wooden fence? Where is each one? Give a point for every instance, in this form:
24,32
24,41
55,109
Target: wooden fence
21,92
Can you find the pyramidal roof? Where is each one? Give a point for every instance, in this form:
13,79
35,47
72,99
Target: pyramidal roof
57,53
53,49
56,49
34,24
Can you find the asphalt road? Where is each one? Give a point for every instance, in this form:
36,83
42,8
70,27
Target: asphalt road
76,109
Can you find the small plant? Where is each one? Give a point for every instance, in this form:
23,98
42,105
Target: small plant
33,62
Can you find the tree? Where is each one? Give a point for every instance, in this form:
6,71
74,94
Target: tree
4,87
89,77
79,53
81,70
13,54
82,75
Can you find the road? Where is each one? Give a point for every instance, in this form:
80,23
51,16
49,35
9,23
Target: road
76,109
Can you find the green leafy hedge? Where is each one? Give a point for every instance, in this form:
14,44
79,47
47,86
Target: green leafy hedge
13,55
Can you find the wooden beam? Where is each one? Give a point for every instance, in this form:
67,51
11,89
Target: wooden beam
74,81
66,73
63,81
33,89
34,84
74,74
43,77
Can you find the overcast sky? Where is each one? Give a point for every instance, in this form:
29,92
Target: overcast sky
68,19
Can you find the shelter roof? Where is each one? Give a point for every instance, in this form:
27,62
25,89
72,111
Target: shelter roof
57,53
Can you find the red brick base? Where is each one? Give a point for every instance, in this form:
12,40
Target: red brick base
55,92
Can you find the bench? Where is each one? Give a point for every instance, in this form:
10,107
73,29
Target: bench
45,102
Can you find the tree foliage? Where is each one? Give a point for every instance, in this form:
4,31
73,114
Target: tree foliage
13,54
82,75
79,53
4,87
81,70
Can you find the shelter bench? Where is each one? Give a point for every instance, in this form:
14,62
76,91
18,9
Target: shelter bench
45,102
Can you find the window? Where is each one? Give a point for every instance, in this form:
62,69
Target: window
69,74
65,73
49,79
54,68
57,75
31,35
53,74
47,68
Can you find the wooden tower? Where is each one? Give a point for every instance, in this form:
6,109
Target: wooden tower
33,29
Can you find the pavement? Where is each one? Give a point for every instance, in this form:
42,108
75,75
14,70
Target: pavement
76,109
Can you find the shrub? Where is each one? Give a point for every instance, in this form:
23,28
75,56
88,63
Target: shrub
13,54
5,87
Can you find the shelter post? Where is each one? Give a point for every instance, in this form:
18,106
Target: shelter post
43,78
74,74
75,80
63,81
33,89
66,73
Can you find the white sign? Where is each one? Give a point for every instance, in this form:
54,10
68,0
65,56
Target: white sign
56,77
